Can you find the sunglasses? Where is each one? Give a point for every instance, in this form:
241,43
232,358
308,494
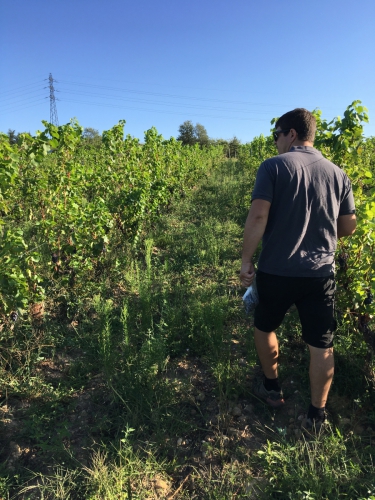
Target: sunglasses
276,133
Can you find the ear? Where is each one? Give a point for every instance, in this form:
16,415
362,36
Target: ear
293,134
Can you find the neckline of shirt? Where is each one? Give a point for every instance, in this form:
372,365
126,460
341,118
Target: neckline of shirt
302,148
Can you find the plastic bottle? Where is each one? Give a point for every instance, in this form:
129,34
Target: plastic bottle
251,298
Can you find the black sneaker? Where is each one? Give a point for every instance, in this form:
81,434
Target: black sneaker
314,425
273,398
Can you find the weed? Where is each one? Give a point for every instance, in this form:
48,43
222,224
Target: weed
328,466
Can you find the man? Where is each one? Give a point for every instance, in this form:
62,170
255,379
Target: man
301,204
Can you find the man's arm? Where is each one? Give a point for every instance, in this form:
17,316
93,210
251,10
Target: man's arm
346,225
254,229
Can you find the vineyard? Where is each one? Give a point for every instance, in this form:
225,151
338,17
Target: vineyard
126,359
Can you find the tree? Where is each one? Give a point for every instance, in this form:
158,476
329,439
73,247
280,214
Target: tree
190,134
187,133
92,136
13,137
234,145
223,143
201,135
90,133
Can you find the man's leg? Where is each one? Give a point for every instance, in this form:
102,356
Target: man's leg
321,374
276,295
268,351
317,315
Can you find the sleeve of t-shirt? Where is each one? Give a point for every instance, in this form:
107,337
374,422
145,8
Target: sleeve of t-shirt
264,183
347,205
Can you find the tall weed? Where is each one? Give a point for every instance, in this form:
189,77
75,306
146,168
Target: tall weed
329,466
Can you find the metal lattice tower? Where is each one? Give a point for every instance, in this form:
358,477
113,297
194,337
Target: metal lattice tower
52,101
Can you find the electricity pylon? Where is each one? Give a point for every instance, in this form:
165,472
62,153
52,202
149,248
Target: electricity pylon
52,103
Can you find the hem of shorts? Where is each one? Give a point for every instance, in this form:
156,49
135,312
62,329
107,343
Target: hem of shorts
310,274
266,330
330,344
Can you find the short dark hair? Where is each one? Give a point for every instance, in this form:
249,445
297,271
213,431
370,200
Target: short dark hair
302,121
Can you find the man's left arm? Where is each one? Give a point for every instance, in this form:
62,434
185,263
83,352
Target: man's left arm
254,229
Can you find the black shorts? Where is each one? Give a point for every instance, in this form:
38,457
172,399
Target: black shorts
313,297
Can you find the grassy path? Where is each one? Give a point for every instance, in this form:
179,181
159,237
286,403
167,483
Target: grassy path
147,390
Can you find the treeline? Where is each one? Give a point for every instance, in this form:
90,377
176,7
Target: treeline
188,134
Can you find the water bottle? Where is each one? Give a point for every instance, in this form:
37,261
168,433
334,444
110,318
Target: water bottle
251,299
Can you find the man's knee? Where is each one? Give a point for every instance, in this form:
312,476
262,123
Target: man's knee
322,360
321,351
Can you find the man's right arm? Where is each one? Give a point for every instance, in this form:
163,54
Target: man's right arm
254,229
346,225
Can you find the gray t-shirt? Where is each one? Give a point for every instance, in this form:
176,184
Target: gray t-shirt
307,194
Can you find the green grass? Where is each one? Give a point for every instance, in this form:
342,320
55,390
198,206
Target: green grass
329,466
127,387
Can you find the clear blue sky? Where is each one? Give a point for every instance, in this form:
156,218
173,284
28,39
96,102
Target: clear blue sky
231,66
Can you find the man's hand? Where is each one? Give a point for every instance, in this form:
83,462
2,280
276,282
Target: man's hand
247,274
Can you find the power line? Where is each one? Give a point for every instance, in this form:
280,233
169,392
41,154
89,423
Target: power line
175,96
184,97
163,103
39,80
26,93
20,94
8,94
204,89
181,113
12,110
22,100
164,85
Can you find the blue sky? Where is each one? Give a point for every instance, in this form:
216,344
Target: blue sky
231,66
